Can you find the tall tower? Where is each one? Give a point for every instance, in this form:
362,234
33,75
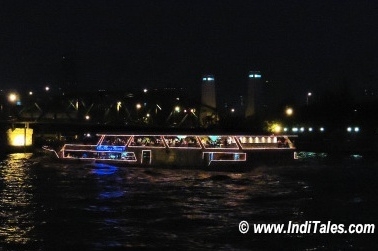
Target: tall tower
208,101
254,94
69,77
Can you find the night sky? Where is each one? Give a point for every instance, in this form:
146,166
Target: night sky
297,45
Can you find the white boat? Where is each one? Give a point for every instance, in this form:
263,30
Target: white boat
190,150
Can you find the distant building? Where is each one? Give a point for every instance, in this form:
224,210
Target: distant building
208,101
69,75
254,99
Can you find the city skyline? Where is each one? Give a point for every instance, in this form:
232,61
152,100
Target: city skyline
298,47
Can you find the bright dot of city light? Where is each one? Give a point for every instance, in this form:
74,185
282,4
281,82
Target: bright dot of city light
289,111
12,97
277,128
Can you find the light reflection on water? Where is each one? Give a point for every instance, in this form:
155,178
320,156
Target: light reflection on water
16,199
47,206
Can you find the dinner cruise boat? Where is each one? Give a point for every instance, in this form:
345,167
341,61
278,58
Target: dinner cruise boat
190,150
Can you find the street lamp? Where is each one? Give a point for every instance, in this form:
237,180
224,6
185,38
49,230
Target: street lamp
119,104
289,111
308,97
138,106
12,97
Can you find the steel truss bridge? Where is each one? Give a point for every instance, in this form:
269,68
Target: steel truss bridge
157,108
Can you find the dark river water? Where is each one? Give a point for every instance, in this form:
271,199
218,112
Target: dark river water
61,206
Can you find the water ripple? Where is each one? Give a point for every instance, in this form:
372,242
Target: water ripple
49,206
17,204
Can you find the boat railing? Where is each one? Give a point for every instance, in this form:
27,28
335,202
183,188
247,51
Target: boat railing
78,147
47,148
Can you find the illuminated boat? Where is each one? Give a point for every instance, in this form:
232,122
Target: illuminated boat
182,150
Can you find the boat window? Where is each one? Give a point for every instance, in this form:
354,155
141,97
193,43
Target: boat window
109,155
258,141
79,154
224,156
218,142
146,140
128,156
115,140
182,141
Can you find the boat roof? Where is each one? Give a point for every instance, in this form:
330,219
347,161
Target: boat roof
115,134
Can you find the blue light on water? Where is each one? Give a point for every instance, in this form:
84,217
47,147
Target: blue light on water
111,194
104,169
